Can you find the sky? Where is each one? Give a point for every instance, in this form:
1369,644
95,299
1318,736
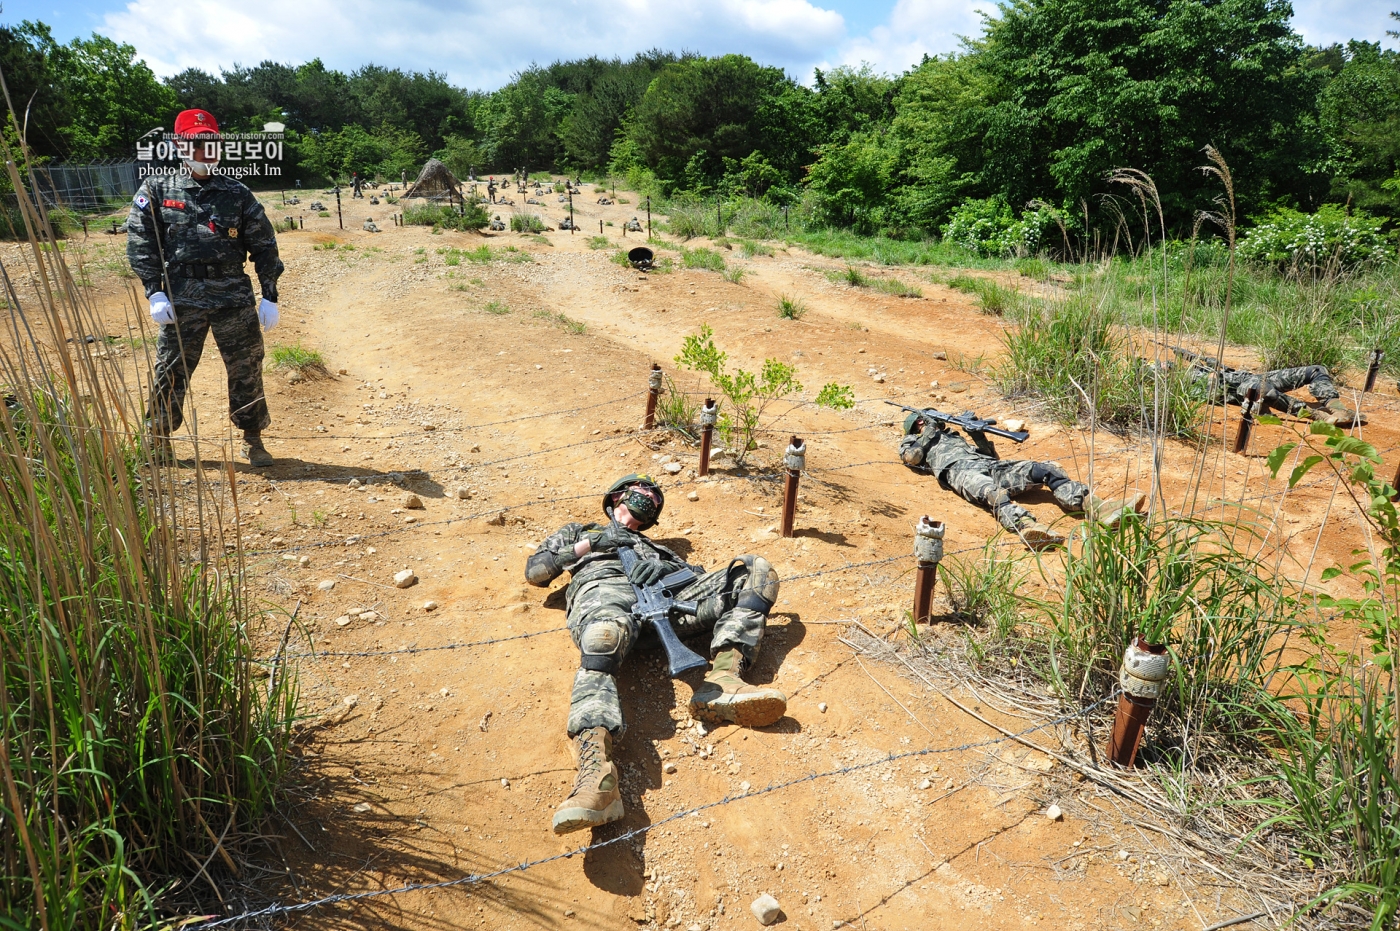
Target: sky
479,46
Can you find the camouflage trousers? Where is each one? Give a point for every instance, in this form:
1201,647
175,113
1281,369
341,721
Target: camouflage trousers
601,610
238,334
1274,387
993,483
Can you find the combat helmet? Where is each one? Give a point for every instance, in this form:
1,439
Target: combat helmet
635,479
910,421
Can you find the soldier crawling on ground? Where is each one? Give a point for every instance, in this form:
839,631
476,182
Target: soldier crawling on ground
370,226
604,201
633,226
732,604
497,224
979,475
317,206
1273,387
566,224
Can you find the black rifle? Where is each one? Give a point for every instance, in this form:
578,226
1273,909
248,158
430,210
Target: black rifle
1195,358
966,420
655,602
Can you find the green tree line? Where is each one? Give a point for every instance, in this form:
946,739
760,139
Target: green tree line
1041,106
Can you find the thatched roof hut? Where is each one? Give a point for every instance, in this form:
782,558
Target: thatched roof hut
435,182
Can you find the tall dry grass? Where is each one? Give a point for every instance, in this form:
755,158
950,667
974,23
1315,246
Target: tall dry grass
140,744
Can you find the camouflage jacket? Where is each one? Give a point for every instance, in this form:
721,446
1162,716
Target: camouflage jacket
556,554
215,225
934,450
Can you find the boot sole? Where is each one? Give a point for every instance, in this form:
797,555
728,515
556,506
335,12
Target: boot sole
754,712
568,820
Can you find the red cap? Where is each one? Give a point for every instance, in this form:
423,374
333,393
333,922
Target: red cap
196,123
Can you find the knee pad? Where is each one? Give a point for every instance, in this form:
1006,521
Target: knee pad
762,582
601,645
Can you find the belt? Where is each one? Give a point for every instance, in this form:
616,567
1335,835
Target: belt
202,271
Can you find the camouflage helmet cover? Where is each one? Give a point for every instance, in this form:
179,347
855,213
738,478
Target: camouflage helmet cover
616,488
910,421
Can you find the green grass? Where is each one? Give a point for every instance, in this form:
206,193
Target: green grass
791,308
702,258
443,217
496,308
296,356
140,738
751,248
896,287
562,321
526,223
734,275
542,240
992,298
599,242
324,214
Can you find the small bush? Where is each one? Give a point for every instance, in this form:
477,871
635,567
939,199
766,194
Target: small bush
734,275
751,248
310,362
526,223
324,214
989,228
790,308
496,308
676,409
598,242
441,216
1289,237
704,258
854,277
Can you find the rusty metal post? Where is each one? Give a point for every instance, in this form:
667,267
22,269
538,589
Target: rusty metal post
795,460
1144,672
708,415
928,551
653,392
1377,356
1251,403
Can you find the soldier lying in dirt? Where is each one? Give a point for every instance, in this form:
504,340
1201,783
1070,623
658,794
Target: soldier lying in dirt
732,603
976,473
1273,387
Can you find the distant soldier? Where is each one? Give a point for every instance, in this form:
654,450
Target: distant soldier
491,189
566,224
355,185
1273,387
497,224
979,475
374,200
633,225
188,236
604,202
370,226
317,206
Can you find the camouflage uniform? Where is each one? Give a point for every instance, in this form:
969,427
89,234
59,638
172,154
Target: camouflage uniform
1273,386
975,473
733,605
204,232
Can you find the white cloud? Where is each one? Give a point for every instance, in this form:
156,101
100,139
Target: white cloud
475,44
915,28
1323,22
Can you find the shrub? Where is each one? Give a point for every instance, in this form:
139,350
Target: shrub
746,394
441,216
702,258
526,223
1289,237
598,242
791,308
734,275
989,228
308,361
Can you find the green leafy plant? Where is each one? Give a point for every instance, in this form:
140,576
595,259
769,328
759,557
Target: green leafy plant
496,308
746,394
707,259
1291,238
837,397
599,242
791,308
734,275
526,223
296,356
989,228
471,216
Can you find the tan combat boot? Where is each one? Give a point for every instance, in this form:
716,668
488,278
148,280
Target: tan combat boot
1337,414
254,450
1037,536
725,698
596,798
1111,513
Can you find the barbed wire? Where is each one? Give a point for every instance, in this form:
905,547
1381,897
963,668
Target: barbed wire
478,878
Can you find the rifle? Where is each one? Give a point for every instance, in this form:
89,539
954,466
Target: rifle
1195,358
966,420
655,603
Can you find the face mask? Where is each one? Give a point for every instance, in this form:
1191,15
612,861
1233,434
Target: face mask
199,169
641,505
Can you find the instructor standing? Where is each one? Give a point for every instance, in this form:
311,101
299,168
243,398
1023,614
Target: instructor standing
188,237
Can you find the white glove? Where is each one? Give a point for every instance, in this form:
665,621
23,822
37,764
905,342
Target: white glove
267,314
162,311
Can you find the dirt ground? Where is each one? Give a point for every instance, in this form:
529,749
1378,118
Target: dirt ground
425,767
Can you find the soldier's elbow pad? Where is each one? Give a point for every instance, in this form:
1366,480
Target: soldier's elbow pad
912,455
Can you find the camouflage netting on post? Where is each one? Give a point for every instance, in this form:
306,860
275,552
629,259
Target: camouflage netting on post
435,182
